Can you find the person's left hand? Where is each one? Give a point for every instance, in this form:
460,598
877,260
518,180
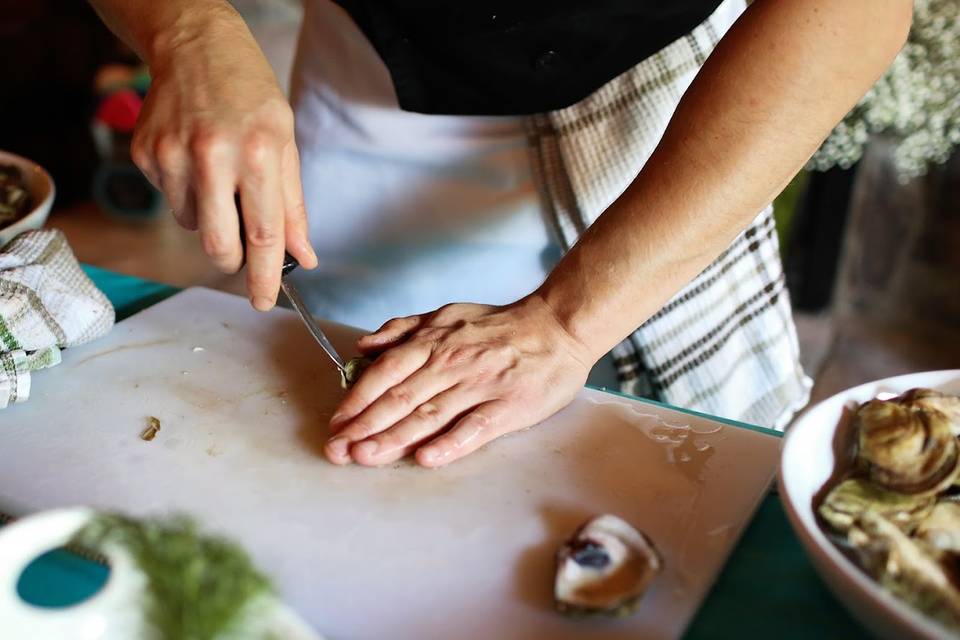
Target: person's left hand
448,382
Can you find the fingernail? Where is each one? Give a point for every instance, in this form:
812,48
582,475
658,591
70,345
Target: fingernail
262,303
338,446
366,448
337,419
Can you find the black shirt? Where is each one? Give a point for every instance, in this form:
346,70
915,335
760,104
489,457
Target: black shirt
499,58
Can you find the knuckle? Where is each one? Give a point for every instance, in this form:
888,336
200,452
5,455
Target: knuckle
387,441
447,312
428,412
261,235
400,395
359,430
397,324
209,145
256,151
504,353
458,355
166,149
480,419
390,364
216,246
139,153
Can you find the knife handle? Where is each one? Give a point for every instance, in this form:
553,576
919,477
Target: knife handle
289,262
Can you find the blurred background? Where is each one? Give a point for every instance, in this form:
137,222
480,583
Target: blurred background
870,233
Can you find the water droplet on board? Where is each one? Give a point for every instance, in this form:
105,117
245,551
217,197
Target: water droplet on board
689,453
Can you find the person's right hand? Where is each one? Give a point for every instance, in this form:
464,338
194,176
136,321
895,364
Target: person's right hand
214,124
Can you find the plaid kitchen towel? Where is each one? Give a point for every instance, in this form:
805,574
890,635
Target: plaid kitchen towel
726,343
46,303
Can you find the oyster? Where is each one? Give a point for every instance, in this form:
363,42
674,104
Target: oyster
604,568
849,499
352,371
15,199
905,568
907,448
899,510
928,399
940,530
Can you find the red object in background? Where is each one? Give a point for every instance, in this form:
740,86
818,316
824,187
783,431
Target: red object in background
119,110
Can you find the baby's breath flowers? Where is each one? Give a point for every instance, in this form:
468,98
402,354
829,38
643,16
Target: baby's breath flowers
917,101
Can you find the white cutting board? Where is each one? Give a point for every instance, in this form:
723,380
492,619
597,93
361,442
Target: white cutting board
395,552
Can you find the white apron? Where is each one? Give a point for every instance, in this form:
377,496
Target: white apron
407,211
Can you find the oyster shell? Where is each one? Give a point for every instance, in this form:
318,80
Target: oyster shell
929,399
905,568
849,499
352,371
899,512
907,448
604,568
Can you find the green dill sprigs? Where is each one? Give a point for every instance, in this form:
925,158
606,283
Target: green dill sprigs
197,583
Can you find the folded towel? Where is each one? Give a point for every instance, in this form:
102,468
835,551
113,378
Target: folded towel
46,303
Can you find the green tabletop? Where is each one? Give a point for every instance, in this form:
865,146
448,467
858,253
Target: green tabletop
767,589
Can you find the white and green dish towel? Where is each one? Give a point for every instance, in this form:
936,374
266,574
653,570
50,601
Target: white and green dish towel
47,303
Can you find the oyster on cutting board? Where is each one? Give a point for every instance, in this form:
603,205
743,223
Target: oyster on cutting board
897,511
353,370
604,568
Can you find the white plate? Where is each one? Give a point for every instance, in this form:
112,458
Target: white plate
806,464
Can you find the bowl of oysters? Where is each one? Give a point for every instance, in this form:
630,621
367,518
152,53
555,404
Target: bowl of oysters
26,195
870,479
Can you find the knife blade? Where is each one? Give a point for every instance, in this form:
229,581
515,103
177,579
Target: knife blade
290,290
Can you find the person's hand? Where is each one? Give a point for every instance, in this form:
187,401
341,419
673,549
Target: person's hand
215,124
448,382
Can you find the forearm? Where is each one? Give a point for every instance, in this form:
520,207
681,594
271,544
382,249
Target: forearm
153,28
774,87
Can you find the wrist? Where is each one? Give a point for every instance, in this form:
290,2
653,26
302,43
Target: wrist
178,25
549,315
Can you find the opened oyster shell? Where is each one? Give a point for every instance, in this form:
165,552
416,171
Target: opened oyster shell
905,568
906,447
604,568
851,498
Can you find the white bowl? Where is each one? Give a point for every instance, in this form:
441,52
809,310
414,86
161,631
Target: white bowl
806,464
41,187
